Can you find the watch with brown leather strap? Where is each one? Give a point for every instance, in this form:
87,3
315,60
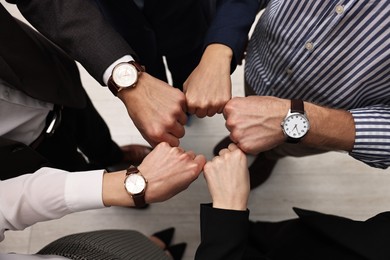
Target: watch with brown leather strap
135,185
296,124
124,75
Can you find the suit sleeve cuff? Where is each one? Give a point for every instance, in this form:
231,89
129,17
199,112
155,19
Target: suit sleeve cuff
223,225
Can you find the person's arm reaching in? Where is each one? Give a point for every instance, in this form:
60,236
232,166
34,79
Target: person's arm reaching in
79,28
224,223
254,123
51,193
208,88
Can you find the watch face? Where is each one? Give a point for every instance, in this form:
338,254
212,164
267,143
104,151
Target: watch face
135,184
296,125
124,75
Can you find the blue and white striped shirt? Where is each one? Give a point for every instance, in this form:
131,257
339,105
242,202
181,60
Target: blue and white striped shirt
332,53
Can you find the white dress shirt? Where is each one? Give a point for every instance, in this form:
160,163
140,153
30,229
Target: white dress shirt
45,195
22,117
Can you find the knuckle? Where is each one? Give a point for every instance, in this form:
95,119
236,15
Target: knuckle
244,147
194,171
229,122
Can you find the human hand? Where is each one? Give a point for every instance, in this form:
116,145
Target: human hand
157,110
254,122
169,170
208,88
227,178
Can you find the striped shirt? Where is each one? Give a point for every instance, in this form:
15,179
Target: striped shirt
332,53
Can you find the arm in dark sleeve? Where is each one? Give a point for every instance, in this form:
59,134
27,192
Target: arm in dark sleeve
78,27
224,233
231,24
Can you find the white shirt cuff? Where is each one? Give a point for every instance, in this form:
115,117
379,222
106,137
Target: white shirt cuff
83,190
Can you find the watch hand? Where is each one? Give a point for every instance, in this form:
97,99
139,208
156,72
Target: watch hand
295,127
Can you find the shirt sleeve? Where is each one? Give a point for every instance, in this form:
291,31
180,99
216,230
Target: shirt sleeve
231,24
224,233
47,194
80,29
372,140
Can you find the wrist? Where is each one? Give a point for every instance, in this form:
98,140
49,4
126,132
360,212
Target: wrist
133,93
232,204
218,52
114,193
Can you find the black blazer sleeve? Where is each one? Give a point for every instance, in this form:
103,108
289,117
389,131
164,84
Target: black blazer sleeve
78,27
224,234
231,24
367,239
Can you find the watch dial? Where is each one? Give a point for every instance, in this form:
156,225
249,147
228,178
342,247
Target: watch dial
135,184
124,75
296,125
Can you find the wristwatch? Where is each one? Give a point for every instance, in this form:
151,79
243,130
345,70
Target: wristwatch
124,75
135,185
295,125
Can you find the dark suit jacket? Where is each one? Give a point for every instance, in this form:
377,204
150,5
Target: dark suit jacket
171,28
78,27
35,66
229,235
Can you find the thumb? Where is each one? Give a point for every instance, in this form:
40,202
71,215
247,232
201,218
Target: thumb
200,160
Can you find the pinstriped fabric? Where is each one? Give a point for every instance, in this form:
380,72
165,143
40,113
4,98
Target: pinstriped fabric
105,245
333,53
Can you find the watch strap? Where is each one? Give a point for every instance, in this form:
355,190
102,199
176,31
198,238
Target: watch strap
132,170
139,199
114,88
138,66
291,140
297,106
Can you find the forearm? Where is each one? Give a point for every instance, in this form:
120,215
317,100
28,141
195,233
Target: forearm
114,193
47,194
363,132
330,129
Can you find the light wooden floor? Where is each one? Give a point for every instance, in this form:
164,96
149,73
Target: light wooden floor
332,183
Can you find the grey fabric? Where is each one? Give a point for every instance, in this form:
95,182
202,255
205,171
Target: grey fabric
105,245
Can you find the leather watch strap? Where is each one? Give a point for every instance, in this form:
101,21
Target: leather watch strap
139,200
132,170
139,67
113,87
292,140
297,106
